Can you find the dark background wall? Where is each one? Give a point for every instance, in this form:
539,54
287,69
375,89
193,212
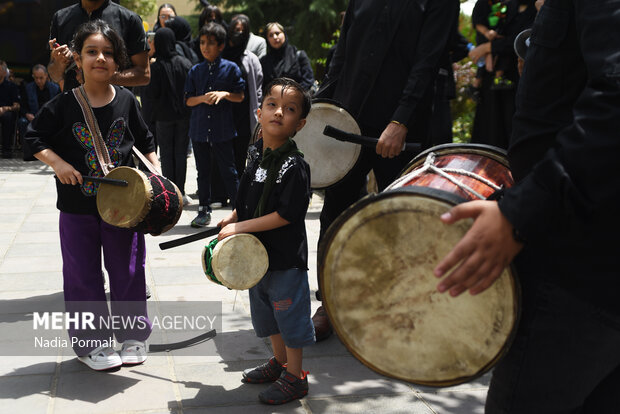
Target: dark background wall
24,31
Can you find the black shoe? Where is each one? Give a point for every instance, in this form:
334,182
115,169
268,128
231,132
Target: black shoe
202,219
268,372
287,388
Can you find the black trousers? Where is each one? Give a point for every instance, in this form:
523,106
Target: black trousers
8,120
565,357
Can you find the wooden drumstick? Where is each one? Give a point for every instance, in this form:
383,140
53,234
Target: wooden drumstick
188,239
341,135
103,180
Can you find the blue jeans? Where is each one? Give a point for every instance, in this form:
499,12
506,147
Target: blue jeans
225,159
173,138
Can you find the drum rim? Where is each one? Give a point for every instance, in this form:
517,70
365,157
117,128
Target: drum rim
145,208
433,194
221,244
495,153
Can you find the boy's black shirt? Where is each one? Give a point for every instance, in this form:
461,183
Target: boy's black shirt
60,126
286,246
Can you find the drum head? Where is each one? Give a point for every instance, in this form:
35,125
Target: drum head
239,261
125,206
381,295
329,159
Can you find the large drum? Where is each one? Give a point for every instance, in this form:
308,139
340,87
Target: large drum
149,204
330,160
376,274
237,262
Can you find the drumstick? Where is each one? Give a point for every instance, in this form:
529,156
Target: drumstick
103,180
188,239
341,135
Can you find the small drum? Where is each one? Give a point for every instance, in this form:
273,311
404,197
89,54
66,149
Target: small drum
149,204
237,262
330,160
376,274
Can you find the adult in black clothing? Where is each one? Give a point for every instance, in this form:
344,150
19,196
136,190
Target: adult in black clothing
560,219
494,111
285,60
209,14
124,22
168,74
183,34
445,90
383,72
9,107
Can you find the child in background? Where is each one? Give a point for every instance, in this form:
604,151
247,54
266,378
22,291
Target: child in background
210,88
272,202
61,139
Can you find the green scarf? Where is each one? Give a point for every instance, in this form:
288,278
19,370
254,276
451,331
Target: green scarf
272,162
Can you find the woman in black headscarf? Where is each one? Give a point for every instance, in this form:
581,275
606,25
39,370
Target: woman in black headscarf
168,75
183,34
284,60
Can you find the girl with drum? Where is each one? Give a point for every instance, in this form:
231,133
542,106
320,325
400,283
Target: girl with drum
61,139
272,201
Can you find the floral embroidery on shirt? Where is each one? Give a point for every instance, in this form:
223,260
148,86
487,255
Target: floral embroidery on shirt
290,161
261,175
113,141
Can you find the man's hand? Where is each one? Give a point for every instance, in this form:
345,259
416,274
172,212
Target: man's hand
482,254
392,140
29,117
214,97
61,54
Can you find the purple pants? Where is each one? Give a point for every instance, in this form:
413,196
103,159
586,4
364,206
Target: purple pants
82,238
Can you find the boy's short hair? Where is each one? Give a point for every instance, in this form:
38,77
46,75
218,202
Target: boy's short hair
214,29
286,83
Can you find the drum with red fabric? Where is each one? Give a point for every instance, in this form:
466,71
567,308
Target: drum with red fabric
376,273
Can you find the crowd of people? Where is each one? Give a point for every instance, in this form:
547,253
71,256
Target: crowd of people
235,100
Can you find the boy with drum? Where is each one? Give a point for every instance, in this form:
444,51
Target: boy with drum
272,201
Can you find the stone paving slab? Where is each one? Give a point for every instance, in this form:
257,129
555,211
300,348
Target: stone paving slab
205,379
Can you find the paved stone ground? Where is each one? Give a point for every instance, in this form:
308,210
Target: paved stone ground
30,269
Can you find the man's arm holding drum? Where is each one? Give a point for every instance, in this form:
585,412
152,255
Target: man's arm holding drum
231,226
563,190
434,37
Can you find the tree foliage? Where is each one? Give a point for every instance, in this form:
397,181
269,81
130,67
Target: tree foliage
141,7
307,23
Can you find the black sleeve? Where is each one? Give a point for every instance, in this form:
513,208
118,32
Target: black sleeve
305,68
143,137
136,37
577,180
46,124
459,48
295,193
480,13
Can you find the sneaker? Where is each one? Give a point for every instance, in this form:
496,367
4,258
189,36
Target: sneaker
102,358
133,352
287,388
187,200
268,372
202,219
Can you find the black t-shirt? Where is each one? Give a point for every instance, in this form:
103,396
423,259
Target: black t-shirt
60,126
286,246
124,22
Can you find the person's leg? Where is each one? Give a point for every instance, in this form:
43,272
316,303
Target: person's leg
225,157
562,353
181,139
202,155
80,244
8,131
165,134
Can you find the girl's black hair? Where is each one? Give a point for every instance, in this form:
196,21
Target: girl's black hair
287,83
119,51
205,16
167,5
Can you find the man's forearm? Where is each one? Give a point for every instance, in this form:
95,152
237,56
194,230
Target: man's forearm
55,70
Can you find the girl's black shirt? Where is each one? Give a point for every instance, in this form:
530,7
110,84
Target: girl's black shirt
60,126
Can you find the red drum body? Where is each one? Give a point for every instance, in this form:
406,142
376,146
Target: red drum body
376,274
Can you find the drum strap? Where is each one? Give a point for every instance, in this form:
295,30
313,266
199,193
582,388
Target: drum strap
103,156
429,165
